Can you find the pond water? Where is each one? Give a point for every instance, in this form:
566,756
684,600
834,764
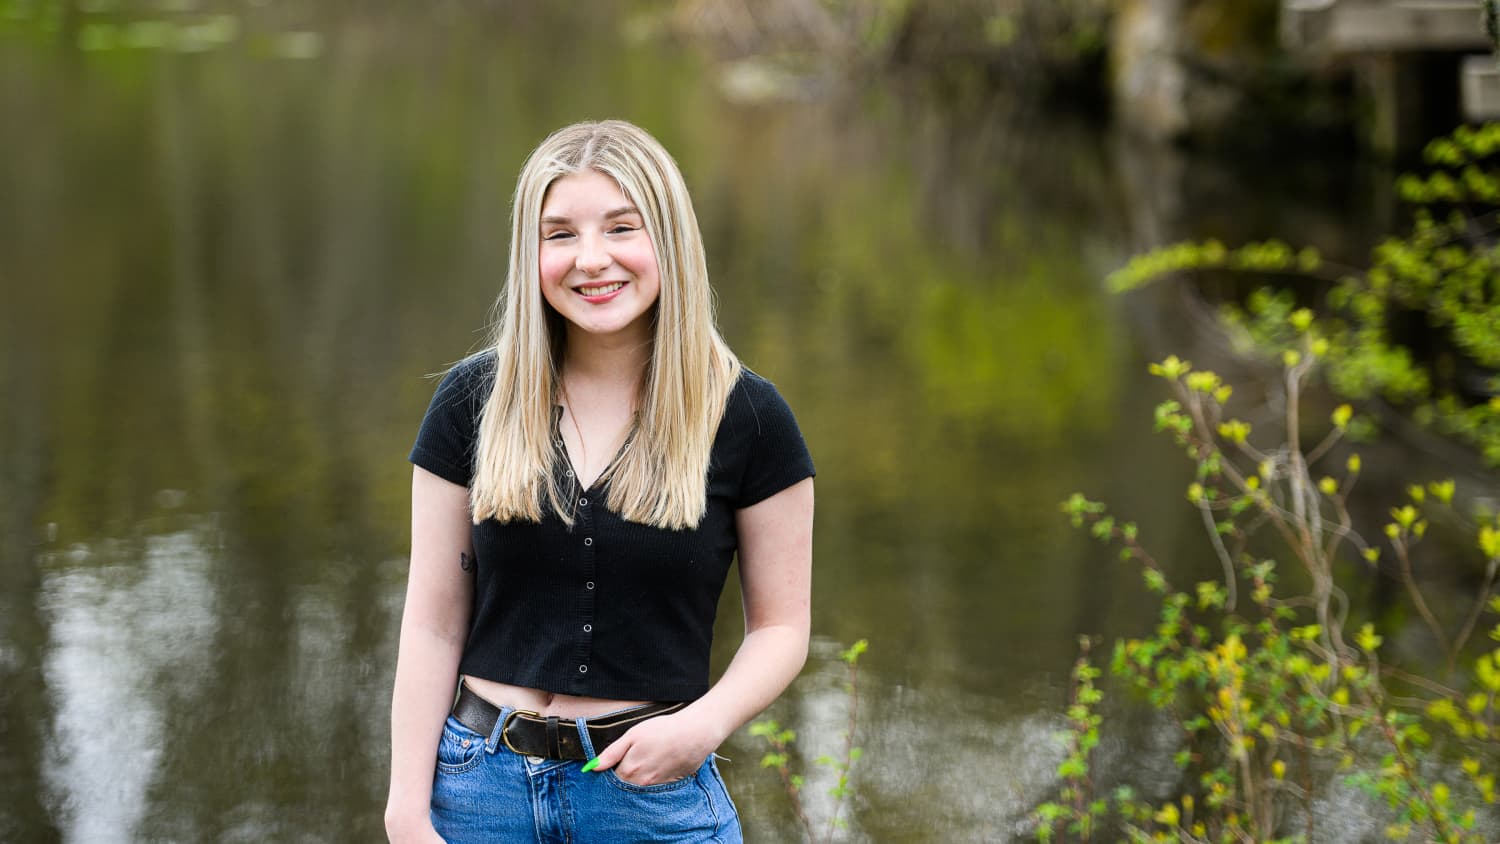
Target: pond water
229,271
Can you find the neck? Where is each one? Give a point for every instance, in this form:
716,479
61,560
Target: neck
617,359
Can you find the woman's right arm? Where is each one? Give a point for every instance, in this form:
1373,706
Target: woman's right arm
439,592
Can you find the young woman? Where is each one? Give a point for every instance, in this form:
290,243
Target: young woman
580,489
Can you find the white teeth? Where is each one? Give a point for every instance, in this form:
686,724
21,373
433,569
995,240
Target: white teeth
601,290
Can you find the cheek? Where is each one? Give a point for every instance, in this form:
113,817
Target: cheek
641,260
552,266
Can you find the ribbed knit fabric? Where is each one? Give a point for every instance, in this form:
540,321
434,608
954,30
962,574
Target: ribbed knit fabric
608,608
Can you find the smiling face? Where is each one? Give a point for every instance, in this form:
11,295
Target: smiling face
596,262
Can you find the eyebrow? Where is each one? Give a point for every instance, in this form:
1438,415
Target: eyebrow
608,215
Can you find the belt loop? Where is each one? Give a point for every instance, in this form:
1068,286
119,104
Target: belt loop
554,741
584,738
493,743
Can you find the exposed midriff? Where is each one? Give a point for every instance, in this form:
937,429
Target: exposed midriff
542,702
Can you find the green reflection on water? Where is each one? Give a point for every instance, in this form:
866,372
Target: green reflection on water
227,275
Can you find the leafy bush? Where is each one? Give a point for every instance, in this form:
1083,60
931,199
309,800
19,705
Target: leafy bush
1276,694
1279,695
1444,269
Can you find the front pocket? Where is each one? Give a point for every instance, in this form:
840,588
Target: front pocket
617,781
680,810
460,748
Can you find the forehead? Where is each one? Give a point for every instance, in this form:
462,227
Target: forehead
585,193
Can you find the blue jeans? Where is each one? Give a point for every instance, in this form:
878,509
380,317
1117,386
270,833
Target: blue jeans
484,792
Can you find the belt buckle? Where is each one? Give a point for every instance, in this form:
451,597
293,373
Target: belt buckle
505,725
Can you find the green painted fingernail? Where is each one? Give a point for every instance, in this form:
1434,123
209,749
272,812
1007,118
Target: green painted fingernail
591,764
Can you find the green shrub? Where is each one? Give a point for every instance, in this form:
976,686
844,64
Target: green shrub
1444,268
1276,694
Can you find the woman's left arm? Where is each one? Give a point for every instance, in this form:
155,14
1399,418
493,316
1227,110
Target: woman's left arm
775,557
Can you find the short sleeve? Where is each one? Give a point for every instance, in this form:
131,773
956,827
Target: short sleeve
446,440
777,455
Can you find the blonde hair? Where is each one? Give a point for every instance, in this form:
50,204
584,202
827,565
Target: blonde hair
660,476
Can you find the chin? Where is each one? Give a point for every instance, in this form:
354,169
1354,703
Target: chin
608,327
600,328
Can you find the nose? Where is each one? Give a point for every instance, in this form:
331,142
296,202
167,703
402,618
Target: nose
592,256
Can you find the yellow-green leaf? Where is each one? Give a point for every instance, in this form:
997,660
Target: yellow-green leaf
1171,369
1442,490
1489,543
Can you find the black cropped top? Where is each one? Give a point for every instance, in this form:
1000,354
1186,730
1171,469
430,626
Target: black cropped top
607,608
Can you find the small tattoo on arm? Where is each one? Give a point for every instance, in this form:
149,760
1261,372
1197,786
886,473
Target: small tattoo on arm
465,562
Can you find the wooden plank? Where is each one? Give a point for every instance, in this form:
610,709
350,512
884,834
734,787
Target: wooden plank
1479,79
1360,26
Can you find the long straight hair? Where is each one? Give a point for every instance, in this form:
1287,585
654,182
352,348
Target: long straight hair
660,476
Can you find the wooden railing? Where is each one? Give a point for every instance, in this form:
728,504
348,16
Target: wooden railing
1396,26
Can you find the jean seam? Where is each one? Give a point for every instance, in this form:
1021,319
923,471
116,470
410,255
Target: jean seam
724,790
464,768
713,810
531,801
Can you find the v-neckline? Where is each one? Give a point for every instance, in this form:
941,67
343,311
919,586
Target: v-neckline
567,456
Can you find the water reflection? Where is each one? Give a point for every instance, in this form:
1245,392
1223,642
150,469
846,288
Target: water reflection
130,633
971,768
228,277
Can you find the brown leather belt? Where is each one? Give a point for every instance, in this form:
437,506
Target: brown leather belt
549,736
